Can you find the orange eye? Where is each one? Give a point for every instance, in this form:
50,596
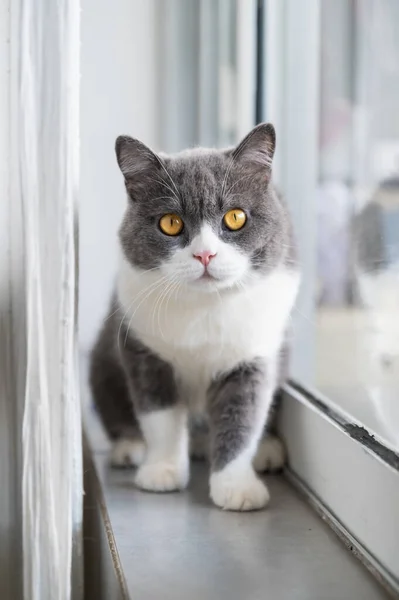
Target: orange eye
235,219
171,224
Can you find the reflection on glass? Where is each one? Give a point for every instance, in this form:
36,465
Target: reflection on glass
358,212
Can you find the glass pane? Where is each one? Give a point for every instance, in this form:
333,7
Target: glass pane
357,341
227,72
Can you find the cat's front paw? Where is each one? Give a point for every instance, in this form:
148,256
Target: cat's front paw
270,455
127,453
162,477
243,492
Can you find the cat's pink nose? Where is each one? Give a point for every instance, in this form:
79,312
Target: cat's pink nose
204,257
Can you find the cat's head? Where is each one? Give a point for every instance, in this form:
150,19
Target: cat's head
208,218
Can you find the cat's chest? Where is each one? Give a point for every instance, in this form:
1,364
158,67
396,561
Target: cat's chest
209,337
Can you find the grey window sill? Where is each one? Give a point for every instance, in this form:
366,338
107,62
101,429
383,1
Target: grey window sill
180,546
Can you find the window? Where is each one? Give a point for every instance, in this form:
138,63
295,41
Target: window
331,85
357,331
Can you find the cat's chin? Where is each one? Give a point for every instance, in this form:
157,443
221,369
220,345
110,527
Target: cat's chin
209,284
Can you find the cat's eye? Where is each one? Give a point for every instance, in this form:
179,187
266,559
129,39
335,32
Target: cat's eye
235,219
171,224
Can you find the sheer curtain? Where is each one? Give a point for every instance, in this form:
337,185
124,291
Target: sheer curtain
41,446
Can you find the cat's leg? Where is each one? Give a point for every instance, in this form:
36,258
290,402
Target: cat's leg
162,417
270,455
114,405
238,405
127,452
166,465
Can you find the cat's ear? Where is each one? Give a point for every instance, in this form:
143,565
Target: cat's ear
137,162
257,148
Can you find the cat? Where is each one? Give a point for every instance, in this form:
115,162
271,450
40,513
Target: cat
197,328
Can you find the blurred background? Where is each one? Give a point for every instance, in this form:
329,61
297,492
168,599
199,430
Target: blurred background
178,73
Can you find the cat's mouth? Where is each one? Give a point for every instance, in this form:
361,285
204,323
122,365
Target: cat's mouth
206,276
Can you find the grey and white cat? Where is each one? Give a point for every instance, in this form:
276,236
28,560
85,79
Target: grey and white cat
206,283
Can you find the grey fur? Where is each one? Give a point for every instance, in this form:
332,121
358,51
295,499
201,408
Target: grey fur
208,184
109,384
127,378
234,406
151,380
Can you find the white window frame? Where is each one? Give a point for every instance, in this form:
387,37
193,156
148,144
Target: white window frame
348,475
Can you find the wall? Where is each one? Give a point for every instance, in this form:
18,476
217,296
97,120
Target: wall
118,95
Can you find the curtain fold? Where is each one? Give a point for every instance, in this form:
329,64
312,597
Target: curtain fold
48,117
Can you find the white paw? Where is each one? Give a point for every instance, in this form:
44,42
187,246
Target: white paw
245,492
270,455
162,477
127,453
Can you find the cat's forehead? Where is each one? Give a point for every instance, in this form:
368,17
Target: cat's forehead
199,173
198,166
196,155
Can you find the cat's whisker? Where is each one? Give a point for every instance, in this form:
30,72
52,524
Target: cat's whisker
130,307
163,296
120,327
229,167
112,314
174,286
146,297
163,182
177,291
138,295
120,307
154,312
161,163
150,289
233,185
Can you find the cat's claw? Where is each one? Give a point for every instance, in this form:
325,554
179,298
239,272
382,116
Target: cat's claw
270,455
162,477
240,494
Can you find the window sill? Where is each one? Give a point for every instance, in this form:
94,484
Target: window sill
179,545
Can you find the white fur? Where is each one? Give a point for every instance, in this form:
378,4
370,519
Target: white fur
228,266
270,455
165,467
206,327
236,487
127,452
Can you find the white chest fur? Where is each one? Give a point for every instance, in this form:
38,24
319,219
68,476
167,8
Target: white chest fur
206,334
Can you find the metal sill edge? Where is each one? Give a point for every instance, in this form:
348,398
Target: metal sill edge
103,572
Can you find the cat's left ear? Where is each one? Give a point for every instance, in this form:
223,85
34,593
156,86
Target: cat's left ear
257,148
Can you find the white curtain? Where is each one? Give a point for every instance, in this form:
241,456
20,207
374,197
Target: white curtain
38,369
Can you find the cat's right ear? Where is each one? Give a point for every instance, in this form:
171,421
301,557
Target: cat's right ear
137,163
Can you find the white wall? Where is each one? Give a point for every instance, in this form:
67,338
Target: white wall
118,95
